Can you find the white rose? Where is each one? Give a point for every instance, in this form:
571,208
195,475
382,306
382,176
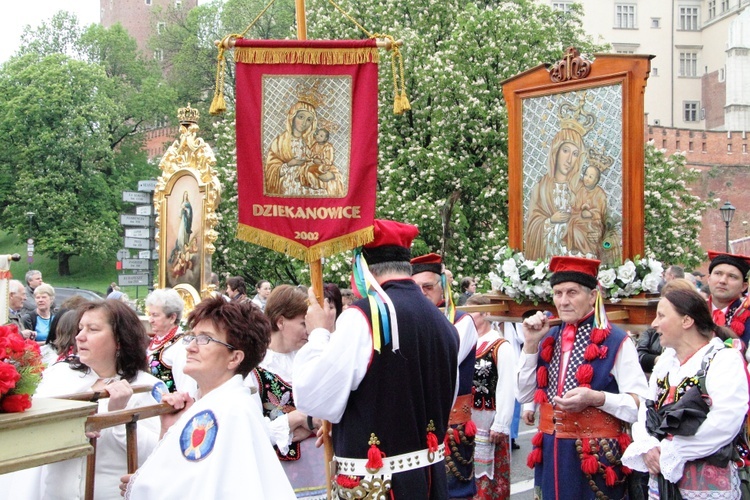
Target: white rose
509,268
651,282
538,290
540,271
607,277
655,267
626,272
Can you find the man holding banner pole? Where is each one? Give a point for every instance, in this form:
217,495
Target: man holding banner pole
385,377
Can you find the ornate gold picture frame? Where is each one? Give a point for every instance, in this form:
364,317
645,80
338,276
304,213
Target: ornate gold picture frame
186,198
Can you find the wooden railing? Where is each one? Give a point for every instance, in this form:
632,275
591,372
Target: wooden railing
127,417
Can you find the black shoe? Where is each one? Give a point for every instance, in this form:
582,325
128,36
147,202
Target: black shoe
513,445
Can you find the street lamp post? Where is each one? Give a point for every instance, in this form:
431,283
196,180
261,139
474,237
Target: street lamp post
727,213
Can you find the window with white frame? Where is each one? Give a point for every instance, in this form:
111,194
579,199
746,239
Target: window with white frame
690,110
724,5
656,22
563,7
159,54
178,3
689,18
711,9
160,27
688,64
625,16
148,2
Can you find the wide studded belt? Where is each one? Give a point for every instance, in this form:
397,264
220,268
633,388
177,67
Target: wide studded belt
590,423
391,465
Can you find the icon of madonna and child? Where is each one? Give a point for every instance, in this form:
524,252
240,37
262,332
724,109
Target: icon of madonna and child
568,212
300,160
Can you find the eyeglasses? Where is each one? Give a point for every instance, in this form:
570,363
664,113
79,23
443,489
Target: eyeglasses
203,339
427,287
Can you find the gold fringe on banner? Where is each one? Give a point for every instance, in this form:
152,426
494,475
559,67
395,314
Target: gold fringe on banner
293,249
279,55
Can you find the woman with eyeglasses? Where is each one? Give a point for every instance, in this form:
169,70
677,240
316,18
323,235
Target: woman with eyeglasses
217,445
293,433
111,346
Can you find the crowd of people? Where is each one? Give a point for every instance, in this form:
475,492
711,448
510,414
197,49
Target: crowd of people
416,399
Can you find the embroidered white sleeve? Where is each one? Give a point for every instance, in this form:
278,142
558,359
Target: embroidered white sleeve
670,461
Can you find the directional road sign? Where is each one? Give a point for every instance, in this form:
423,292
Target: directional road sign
136,264
148,254
123,253
144,210
137,243
138,232
135,220
132,279
147,186
136,197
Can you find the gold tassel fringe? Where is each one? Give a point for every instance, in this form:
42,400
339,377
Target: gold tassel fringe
328,57
293,249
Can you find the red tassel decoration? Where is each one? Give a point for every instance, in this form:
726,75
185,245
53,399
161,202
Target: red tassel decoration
586,446
347,481
447,442
624,441
470,429
592,352
599,335
536,441
542,377
589,464
548,347
374,458
584,374
603,351
540,396
610,476
535,457
432,442
626,470
456,436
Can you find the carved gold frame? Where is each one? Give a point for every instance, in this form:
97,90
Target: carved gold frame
189,159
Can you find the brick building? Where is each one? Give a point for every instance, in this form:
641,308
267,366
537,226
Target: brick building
143,19
724,161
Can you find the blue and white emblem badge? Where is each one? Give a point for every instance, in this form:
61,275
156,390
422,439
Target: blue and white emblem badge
199,436
159,389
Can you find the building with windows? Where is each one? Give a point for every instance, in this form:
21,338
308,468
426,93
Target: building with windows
699,77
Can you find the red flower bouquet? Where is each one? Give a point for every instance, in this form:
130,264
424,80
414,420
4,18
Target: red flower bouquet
20,370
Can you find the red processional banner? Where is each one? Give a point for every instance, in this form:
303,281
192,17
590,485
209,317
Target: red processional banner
307,144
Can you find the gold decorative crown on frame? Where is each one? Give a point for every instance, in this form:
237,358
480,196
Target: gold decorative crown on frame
310,94
601,160
576,117
188,115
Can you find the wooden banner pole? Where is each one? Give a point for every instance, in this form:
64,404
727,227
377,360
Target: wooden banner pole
316,269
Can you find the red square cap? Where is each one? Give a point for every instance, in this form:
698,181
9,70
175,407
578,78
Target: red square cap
575,269
391,243
431,262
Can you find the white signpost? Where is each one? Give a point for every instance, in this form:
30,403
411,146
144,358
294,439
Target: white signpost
139,235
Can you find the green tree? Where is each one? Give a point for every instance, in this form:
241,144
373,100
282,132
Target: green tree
673,213
51,121
73,114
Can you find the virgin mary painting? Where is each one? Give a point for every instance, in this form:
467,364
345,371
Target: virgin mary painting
553,197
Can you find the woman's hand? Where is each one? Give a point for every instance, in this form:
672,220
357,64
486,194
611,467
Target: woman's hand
528,417
119,394
652,460
124,480
180,401
496,436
